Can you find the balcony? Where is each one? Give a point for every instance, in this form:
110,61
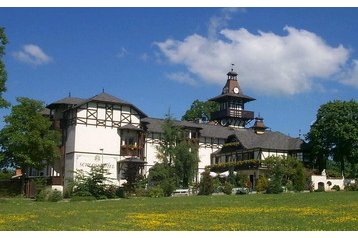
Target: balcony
247,115
131,150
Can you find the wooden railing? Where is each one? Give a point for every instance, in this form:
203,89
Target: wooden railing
233,113
131,150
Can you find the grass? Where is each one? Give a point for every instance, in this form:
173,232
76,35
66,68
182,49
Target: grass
285,212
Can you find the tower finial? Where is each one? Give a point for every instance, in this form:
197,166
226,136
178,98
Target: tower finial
232,67
102,90
69,94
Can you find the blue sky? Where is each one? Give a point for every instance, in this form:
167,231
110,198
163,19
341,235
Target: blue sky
291,60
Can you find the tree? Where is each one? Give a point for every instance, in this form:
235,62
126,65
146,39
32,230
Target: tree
186,162
198,109
27,139
3,74
161,175
334,134
206,185
285,171
166,148
178,153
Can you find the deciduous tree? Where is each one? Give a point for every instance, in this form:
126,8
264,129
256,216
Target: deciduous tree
3,74
27,139
335,134
198,109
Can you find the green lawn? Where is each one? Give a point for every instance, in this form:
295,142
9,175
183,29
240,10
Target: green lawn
303,211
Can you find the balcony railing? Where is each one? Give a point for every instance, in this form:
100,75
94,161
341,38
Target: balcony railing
131,150
232,113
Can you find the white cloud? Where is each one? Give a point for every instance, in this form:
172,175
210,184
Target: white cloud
268,63
182,78
145,57
220,21
32,54
123,52
350,75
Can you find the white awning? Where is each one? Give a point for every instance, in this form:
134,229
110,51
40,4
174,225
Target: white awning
213,174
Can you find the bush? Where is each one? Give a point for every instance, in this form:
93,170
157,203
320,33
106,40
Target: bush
351,187
92,183
141,192
110,191
206,185
120,193
227,189
261,184
67,192
55,196
43,195
155,192
299,177
48,195
162,175
336,187
274,187
289,185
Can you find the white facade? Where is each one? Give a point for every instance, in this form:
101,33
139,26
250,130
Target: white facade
106,130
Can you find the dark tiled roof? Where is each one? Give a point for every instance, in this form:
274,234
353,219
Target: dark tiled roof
155,124
130,127
107,98
248,138
224,97
67,101
269,140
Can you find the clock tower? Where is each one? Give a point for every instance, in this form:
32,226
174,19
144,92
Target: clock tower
232,104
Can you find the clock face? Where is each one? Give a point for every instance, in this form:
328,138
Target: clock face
236,90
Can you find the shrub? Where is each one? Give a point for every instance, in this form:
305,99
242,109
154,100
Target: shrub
92,183
120,193
43,195
40,184
55,196
261,184
289,185
336,187
275,187
227,189
243,180
162,175
206,185
155,192
351,187
299,177
141,192
110,191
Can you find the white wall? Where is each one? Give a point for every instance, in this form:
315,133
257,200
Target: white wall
323,178
83,161
92,139
70,139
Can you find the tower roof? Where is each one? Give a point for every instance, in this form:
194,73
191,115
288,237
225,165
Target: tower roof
232,89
